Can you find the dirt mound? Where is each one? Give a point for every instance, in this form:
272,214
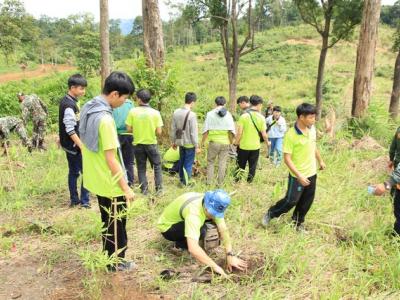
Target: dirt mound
367,143
308,42
379,164
206,57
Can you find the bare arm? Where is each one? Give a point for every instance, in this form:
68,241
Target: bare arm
117,172
77,141
239,135
158,131
321,162
198,253
204,138
129,129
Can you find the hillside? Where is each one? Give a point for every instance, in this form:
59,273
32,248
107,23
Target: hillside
48,250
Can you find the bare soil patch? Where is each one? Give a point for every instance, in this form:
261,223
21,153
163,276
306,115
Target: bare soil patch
43,70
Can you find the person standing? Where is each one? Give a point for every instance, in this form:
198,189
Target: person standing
301,155
251,129
184,133
219,129
394,151
125,138
146,124
68,132
276,128
32,107
244,103
104,173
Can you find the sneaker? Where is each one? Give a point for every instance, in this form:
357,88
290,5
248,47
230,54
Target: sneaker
266,219
124,266
300,228
73,204
87,206
159,192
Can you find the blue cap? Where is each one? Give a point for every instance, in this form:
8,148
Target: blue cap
216,202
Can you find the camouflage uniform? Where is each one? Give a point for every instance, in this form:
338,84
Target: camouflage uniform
9,124
33,107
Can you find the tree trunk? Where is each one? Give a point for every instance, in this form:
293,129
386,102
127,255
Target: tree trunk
394,100
104,41
152,34
232,78
365,57
320,76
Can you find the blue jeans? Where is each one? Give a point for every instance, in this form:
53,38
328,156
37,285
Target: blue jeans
74,170
186,160
276,146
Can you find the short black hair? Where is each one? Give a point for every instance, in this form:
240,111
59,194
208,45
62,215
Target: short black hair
144,95
77,80
118,82
220,100
242,99
277,108
306,109
256,100
190,97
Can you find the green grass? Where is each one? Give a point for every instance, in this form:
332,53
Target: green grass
347,252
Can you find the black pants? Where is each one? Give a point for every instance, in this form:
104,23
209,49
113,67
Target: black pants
127,155
297,196
142,154
108,236
244,156
396,207
177,234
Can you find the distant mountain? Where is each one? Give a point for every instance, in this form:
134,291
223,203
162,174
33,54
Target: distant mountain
126,26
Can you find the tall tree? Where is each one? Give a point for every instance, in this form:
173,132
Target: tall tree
334,20
152,34
225,16
394,99
12,13
104,41
365,57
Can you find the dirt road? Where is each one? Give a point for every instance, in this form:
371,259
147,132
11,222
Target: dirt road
41,71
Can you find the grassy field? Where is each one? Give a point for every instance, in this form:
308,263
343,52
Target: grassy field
50,251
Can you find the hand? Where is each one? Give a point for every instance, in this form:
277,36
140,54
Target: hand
322,165
379,189
174,146
129,194
390,165
198,150
217,269
58,143
303,181
235,262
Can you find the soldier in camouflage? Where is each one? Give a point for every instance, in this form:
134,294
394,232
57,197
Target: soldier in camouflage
10,124
32,107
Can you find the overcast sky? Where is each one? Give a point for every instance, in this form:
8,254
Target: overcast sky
119,9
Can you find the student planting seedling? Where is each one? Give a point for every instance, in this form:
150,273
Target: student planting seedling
301,156
104,173
184,221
